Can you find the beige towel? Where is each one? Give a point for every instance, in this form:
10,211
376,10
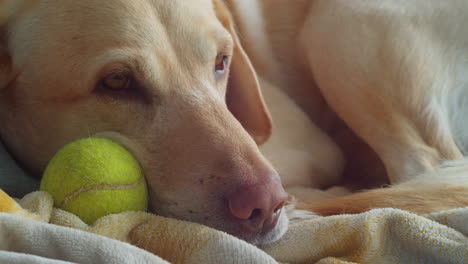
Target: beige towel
378,236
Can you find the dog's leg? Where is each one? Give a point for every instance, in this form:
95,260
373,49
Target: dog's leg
386,78
296,137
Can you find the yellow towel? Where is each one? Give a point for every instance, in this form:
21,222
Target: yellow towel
378,236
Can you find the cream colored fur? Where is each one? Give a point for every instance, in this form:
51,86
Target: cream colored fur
194,131
392,71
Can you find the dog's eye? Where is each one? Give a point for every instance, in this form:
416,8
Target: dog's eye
221,64
116,81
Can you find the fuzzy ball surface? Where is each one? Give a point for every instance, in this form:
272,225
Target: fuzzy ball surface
94,177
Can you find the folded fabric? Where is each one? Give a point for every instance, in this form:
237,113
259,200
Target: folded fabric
24,240
378,236
173,240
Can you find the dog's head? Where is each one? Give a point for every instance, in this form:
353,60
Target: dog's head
167,79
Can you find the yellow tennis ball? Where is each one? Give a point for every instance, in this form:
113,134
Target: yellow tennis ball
94,177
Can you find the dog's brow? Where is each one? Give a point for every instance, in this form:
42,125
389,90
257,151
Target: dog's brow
138,67
224,41
225,45
208,47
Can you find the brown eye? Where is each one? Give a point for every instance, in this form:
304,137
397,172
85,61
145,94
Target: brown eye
221,64
116,81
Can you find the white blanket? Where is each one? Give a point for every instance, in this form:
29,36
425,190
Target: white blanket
23,240
378,236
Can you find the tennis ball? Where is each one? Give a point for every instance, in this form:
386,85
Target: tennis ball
94,177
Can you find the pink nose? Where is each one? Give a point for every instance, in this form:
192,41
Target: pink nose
258,206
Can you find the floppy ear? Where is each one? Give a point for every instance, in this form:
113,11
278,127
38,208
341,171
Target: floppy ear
5,61
244,98
9,10
6,72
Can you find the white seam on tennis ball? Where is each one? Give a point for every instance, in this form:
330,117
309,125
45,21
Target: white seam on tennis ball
100,187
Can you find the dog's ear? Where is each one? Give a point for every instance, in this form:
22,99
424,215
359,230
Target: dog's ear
9,10
6,73
244,98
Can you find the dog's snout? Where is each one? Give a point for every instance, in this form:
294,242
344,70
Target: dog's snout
258,206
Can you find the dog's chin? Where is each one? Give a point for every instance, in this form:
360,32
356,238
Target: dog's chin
270,236
257,239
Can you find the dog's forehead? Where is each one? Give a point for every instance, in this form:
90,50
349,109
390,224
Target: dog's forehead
94,25
73,33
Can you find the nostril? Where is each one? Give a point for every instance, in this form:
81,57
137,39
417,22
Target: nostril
256,214
276,212
279,207
256,219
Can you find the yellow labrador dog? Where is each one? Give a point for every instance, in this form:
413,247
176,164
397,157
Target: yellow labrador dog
171,81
